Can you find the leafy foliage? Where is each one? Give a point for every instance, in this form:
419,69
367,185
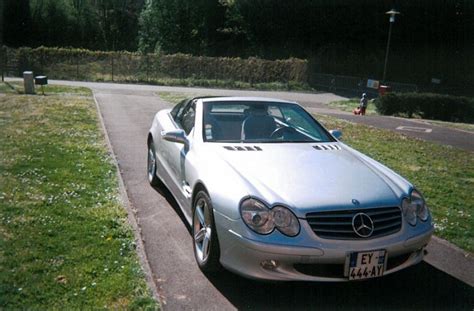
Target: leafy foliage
61,63
99,24
430,39
183,26
427,106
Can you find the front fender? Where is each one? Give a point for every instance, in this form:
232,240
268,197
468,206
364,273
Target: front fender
225,187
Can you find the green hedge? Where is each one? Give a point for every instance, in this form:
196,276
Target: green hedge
224,68
80,64
427,106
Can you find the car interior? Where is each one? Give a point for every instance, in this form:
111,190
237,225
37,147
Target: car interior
256,122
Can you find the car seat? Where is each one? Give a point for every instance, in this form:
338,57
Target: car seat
258,124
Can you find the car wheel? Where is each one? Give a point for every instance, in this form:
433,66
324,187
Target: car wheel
205,242
151,164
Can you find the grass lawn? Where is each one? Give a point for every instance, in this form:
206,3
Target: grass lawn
65,242
444,174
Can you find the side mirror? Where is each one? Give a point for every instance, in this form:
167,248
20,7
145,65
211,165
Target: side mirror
176,136
336,133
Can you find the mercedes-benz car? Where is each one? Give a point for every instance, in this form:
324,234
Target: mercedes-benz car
271,194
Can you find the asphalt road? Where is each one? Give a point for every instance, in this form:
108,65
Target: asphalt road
315,102
127,114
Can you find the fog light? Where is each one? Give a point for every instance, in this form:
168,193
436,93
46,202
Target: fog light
269,264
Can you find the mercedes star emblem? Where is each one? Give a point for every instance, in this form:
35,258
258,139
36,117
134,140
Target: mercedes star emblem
363,225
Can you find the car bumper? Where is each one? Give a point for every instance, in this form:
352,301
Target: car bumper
267,261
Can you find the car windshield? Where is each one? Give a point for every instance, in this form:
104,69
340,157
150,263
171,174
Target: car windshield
260,122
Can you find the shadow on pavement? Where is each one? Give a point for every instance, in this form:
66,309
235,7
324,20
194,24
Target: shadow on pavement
163,191
421,287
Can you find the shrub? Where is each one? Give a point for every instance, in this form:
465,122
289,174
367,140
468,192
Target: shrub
83,64
427,106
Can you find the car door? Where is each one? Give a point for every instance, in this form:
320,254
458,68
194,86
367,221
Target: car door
185,120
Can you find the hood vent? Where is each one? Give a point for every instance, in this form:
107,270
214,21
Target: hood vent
243,148
327,147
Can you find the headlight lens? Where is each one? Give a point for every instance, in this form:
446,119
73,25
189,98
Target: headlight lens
414,207
409,211
258,217
421,209
285,221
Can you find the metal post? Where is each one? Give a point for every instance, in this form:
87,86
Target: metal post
43,60
112,66
77,66
147,66
386,52
2,62
392,13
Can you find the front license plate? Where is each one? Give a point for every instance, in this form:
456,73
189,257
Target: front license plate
366,265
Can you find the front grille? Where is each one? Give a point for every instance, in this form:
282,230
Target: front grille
338,224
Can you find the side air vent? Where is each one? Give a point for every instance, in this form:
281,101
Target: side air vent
327,147
243,148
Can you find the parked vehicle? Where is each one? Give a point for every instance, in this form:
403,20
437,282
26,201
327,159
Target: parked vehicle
271,194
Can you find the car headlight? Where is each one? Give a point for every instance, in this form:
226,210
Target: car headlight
414,207
409,211
263,220
257,216
285,221
421,208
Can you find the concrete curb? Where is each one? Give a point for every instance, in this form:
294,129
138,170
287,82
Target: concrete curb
132,217
451,259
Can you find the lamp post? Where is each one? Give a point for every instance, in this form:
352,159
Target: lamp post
392,14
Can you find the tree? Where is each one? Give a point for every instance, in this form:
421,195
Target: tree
180,26
17,24
118,22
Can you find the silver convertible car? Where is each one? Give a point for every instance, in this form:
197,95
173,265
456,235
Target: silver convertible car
271,194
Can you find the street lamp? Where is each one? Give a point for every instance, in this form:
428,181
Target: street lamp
392,14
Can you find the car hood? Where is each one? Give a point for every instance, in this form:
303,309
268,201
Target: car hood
307,178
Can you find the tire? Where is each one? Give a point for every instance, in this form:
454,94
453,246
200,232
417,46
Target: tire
151,166
205,242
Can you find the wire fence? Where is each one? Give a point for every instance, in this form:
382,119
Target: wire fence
84,65
76,64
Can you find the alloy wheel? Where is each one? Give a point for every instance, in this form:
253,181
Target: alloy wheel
151,164
202,230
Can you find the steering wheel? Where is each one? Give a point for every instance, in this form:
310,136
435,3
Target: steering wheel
279,132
